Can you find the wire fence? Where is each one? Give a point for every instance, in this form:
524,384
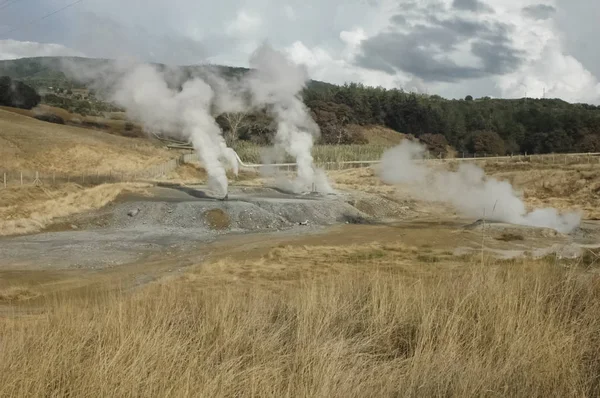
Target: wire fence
13,178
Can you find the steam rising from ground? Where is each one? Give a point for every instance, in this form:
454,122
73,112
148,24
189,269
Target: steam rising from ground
148,96
145,94
155,98
276,83
467,189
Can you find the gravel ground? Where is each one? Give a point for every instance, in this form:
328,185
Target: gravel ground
175,219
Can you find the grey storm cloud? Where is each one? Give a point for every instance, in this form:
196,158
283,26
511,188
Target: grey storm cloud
539,11
422,51
471,5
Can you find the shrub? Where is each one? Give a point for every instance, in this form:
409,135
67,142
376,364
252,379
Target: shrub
50,118
17,94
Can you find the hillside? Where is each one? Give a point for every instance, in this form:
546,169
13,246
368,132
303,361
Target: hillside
481,126
44,72
27,144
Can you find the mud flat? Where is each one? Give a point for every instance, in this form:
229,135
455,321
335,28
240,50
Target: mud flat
177,222
172,219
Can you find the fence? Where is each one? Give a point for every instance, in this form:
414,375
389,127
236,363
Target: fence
10,178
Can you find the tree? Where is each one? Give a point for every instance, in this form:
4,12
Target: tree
232,123
487,142
17,94
589,143
469,98
436,144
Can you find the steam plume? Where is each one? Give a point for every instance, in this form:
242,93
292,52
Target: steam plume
185,113
467,189
276,83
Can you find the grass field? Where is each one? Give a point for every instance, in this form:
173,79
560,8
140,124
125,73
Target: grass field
113,123
29,144
255,154
353,321
371,317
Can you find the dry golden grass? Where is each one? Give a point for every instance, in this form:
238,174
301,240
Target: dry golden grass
29,144
560,186
378,135
326,321
30,209
113,122
574,186
15,293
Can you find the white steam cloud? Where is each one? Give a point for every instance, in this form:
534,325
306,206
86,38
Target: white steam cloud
276,82
143,91
154,97
467,189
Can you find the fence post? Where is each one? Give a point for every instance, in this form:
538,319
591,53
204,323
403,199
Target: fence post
21,178
37,181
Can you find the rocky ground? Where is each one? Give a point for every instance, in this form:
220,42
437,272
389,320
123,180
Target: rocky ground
177,218
173,220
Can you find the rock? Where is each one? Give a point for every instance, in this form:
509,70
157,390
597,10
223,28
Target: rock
134,212
73,226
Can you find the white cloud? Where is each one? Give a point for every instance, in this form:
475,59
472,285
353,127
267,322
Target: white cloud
13,49
549,69
554,51
289,12
339,68
245,23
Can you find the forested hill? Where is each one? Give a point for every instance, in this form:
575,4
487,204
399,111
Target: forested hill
484,125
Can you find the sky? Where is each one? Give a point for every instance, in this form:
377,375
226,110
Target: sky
452,48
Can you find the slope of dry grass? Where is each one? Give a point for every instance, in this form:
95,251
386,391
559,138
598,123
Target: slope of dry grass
113,122
30,209
326,321
574,186
561,186
29,144
378,135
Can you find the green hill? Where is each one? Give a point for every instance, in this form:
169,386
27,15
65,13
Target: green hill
483,126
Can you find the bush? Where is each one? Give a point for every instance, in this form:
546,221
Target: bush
436,144
50,118
17,94
589,143
487,142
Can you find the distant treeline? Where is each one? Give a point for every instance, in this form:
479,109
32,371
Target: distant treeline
492,126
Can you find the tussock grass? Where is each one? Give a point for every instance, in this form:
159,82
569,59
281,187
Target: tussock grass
310,322
16,293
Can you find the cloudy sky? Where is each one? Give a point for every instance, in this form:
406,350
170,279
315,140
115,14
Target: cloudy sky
498,48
